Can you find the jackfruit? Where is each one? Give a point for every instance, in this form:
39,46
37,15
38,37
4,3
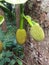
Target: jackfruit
37,32
21,36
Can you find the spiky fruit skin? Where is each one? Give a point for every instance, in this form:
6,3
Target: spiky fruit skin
1,46
21,36
37,32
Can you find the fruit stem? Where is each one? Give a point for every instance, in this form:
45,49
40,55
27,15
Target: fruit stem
31,23
21,15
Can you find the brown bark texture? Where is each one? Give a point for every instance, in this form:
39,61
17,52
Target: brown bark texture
17,10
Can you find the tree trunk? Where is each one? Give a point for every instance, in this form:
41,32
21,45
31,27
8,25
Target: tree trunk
4,26
17,15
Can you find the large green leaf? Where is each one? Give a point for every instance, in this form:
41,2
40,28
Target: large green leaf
16,1
1,19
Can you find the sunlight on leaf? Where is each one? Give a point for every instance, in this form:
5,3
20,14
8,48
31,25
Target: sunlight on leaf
1,0
1,19
16,1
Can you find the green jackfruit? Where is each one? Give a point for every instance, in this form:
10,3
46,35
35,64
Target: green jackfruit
21,36
37,32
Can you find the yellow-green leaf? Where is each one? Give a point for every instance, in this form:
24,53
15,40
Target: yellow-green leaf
1,19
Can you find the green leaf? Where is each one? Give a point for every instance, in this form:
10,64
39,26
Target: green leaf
4,45
18,48
1,4
19,61
9,54
1,0
1,19
21,54
12,62
16,1
9,44
7,59
1,56
1,63
3,53
1,35
5,9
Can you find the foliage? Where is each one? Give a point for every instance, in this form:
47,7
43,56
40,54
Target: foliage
7,57
8,10
11,50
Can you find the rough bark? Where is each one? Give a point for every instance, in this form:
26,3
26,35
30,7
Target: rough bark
17,15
